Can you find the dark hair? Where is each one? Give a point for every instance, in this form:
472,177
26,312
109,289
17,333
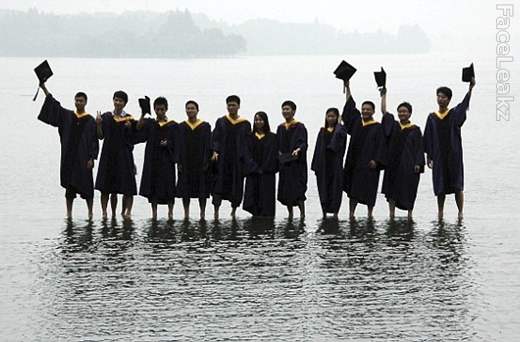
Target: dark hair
331,110
445,90
406,105
290,104
264,117
121,95
193,103
369,103
160,101
233,98
81,94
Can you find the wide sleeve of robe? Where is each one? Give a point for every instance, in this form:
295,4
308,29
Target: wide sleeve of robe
459,112
419,149
301,138
350,115
338,140
52,112
270,163
141,135
217,136
92,140
428,138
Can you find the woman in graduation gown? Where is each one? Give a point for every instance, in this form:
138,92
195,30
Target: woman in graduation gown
158,176
116,171
443,147
259,197
405,158
327,162
79,147
365,153
193,159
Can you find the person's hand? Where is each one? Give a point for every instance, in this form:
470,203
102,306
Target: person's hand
296,152
430,163
382,91
99,119
417,169
214,157
372,164
164,142
472,83
346,83
90,163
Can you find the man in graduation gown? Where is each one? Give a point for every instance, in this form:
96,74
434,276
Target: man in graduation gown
443,146
79,146
193,159
327,162
365,154
405,157
116,170
231,155
292,145
158,176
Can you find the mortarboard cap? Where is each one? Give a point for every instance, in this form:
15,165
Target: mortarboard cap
468,73
344,71
144,103
380,77
43,71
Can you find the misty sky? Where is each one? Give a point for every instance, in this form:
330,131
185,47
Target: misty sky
447,23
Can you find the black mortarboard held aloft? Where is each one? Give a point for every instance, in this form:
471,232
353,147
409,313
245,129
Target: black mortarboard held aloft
43,72
468,73
380,77
144,103
344,72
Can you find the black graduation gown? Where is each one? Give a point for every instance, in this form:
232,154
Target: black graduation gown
327,164
193,158
443,145
79,144
405,150
230,141
116,171
292,182
259,198
158,176
366,143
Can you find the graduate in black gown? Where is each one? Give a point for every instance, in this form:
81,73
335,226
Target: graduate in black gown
443,146
365,154
259,197
158,176
405,158
327,162
79,146
193,159
116,170
231,155
292,149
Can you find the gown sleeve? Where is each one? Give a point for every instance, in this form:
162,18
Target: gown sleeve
317,150
460,110
419,150
52,112
350,114
428,138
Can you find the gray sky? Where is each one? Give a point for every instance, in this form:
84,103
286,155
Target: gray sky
446,22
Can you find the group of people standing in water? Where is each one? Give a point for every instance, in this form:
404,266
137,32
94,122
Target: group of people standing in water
190,160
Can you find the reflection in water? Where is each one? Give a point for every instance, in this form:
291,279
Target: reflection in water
359,280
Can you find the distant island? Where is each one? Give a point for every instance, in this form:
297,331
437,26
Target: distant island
181,34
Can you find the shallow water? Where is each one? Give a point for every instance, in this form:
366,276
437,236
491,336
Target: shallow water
255,279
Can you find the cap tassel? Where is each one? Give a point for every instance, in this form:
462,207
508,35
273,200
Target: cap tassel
36,95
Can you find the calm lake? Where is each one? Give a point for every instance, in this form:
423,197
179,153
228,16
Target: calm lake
250,280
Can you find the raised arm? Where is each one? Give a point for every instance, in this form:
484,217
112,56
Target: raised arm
52,113
99,126
350,113
461,109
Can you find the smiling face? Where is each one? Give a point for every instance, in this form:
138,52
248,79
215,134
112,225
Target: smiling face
119,104
191,111
259,123
80,102
288,113
367,111
404,114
